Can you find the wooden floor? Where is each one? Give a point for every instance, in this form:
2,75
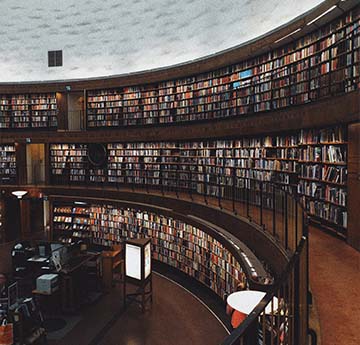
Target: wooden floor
176,318
335,283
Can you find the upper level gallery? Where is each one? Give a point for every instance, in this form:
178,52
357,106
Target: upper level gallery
312,57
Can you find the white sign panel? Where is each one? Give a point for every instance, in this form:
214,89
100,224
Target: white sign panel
147,260
133,261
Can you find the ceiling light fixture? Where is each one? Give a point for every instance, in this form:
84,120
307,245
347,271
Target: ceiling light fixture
19,193
80,203
291,33
322,14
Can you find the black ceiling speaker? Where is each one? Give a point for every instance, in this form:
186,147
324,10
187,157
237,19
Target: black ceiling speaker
97,154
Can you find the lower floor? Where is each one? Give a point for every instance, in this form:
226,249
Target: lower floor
335,284
176,317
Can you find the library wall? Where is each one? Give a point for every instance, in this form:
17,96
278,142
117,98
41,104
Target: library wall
318,65
323,63
174,242
262,243
301,93
312,163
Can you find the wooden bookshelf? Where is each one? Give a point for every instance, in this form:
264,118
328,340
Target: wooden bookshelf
113,269
8,169
320,64
25,111
323,175
2,221
104,108
313,162
174,242
68,162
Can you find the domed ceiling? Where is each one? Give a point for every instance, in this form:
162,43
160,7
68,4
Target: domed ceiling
109,37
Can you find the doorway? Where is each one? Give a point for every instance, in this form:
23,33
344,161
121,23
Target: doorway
76,119
35,158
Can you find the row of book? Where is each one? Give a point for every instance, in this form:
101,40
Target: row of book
186,247
28,111
276,79
8,166
214,167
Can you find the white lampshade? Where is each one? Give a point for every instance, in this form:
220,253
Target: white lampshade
246,301
19,193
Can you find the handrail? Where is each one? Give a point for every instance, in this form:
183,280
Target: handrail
273,207
259,309
280,216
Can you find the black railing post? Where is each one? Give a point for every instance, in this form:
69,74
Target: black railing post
190,187
161,180
286,220
296,222
233,190
261,203
205,190
248,202
146,180
274,210
296,288
219,191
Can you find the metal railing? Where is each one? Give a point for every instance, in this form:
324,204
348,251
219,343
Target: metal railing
274,208
288,324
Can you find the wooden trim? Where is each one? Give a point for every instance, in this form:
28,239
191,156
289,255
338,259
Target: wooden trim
62,104
324,113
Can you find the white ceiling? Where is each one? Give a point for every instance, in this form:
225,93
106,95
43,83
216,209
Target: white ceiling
109,37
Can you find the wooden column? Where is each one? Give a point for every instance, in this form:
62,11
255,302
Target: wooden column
25,217
21,163
2,221
354,185
62,104
47,163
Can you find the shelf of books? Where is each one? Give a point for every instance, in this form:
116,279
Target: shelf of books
2,221
313,162
174,242
28,111
320,64
69,162
8,170
323,173
104,108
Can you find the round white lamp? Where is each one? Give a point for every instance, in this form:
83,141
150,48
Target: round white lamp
246,301
19,193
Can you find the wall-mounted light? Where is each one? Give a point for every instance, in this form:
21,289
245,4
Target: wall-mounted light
322,14
19,193
80,203
286,36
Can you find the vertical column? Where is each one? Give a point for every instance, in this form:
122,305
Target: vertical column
47,163
25,217
62,105
21,163
353,185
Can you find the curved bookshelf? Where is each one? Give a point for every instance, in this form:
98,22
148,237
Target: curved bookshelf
224,169
318,65
176,242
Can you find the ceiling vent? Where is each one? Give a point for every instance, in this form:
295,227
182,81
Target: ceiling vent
55,58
